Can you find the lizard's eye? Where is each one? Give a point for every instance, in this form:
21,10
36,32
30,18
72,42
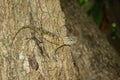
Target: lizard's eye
71,39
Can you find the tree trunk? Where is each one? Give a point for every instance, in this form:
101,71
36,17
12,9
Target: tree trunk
56,41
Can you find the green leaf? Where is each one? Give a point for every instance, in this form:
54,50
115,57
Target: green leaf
114,27
97,13
81,2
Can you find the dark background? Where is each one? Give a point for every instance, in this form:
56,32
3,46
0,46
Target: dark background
106,14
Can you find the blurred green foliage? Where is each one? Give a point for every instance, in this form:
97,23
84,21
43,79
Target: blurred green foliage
114,27
94,8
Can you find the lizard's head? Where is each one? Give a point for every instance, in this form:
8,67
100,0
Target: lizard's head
70,40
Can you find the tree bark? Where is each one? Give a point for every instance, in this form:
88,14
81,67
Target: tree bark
33,56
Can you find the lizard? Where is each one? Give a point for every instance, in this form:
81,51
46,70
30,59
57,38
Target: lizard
48,36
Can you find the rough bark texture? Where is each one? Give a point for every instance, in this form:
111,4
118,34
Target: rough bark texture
91,58
94,57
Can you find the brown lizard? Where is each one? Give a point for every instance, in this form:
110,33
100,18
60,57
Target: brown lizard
50,37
